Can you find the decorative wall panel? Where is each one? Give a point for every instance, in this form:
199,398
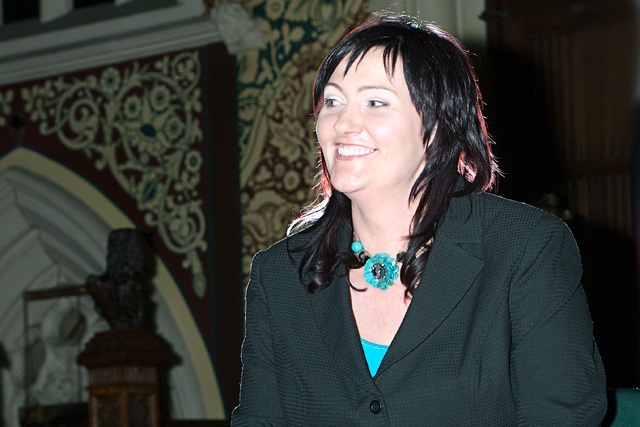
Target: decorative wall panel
140,124
135,130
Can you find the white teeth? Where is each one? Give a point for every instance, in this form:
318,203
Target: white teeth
351,151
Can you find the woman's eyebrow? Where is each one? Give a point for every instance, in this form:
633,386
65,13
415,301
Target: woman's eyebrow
363,88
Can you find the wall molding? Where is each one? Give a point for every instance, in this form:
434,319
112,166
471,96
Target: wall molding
180,27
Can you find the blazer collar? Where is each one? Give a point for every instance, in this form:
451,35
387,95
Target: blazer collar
334,317
451,269
449,273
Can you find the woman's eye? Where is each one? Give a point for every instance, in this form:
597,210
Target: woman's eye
330,102
376,103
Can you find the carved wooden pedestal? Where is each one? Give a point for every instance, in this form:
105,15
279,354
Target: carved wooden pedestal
123,378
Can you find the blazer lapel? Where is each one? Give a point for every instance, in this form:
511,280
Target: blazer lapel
334,318
448,275
333,314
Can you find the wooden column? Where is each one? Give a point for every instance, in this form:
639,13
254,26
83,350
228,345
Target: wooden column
123,378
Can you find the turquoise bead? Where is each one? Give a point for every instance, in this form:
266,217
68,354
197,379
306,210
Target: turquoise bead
357,247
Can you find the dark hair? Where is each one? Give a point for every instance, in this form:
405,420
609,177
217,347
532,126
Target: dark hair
443,88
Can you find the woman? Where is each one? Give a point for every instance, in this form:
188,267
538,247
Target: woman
411,297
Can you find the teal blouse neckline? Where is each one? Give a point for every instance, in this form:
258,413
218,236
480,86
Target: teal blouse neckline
373,353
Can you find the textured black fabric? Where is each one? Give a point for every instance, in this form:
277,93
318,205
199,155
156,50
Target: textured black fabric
498,334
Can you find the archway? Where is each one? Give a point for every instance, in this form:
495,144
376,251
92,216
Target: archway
54,227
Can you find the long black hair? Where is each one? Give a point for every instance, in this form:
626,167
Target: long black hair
443,88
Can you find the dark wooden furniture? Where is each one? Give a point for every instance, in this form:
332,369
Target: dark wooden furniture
123,378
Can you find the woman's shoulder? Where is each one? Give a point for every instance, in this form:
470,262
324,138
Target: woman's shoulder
514,211
515,220
288,250
511,231
276,270
495,201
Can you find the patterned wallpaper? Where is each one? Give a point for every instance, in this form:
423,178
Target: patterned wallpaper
275,123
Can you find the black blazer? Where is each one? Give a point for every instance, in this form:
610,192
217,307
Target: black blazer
497,334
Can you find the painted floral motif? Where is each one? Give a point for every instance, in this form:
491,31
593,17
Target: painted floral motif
140,124
110,80
6,99
276,130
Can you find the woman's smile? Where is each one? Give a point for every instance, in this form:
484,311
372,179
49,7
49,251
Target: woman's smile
354,150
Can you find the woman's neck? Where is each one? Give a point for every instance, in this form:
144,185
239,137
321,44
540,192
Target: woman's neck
382,227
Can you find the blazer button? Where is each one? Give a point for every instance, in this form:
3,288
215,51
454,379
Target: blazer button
374,406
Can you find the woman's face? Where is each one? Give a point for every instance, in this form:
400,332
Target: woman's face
369,130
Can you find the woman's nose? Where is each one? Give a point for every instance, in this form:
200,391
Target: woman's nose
349,120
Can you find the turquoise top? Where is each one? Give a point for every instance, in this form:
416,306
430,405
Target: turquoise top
374,354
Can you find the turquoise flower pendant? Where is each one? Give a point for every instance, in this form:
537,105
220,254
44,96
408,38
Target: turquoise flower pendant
380,271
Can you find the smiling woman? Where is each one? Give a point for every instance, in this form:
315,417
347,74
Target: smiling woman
471,302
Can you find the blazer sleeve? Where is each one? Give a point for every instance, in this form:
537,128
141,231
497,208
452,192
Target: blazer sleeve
557,374
259,404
